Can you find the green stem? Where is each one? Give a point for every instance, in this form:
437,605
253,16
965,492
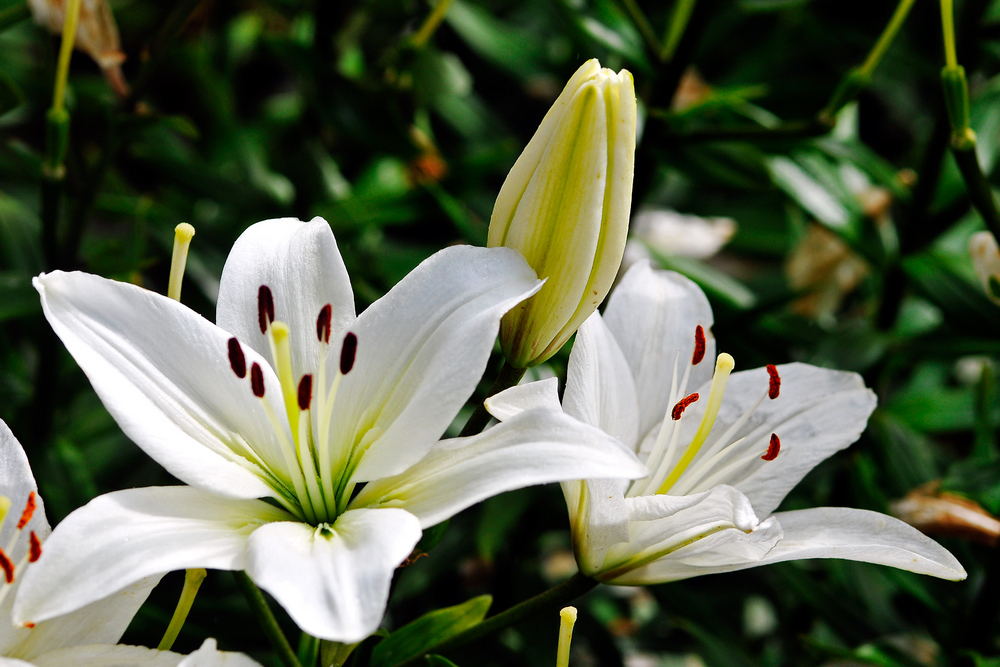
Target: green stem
192,582
679,19
977,186
431,23
309,650
508,377
556,596
65,52
267,620
948,33
14,15
885,39
644,26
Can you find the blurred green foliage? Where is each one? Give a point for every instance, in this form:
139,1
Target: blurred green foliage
242,111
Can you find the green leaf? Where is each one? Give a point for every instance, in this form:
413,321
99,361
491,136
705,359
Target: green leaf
717,285
503,44
429,630
965,306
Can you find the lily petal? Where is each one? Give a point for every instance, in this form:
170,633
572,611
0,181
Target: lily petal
209,656
334,580
653,315
543,394
300,263
164,374
817,413
598,519
534,447
664,529
421,350
836,532
16,483
119,538
600,390
103,655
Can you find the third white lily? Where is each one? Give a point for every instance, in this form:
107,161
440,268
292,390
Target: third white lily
279,414
721,457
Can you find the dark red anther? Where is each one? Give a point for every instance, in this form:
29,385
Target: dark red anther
29,509
682,405
773,448
305,391
237,361
774,385
699,346
34,547
323,323
29,625
257,380
265,308
7,566
348,352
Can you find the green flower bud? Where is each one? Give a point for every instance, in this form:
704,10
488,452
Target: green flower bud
565,206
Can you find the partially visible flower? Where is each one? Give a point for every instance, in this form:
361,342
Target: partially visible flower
822,266
676,234
96,35
565,207
986,260
86,637
308,435
937,512
721,457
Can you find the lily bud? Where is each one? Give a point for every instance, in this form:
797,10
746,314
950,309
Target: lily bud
565,206
986,260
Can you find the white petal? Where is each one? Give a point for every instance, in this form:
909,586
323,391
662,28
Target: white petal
117,539
421,350
101,622
598,519
209,656
13,662
665,528
334,581
600,390
300,263
818,412
543,394
839,532
103,655
163,372
653,315
534,447
16,483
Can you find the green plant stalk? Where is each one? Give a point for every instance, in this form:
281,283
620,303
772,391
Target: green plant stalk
308,650
65,53
267,620
980,193
508,377
644,26
430,23
858,78
556,596
948,33
679,19
192,582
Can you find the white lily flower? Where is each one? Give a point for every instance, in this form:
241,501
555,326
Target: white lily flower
277,415
86,637
721,457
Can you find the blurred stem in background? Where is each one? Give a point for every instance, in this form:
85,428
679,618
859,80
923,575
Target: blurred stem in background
268,623
192,582
678,23
431,23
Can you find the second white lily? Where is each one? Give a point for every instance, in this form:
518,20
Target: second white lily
277,415
721,458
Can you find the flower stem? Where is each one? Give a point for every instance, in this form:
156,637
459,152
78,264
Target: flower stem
192,582
980,193
431,23
948,34
644,26
65,51
267,620
675,29
568,590
509,377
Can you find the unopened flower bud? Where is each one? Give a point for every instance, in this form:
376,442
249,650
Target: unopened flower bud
565,206
986,260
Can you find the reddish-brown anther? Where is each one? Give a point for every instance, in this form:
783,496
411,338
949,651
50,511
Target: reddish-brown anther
34,547
773,448
323,323
681,406
699,346
7,566
774,384
305,391
237,361
348,352
29,509
265,308
257,380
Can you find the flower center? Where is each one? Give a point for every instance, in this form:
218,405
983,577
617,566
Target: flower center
678,469
318,488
